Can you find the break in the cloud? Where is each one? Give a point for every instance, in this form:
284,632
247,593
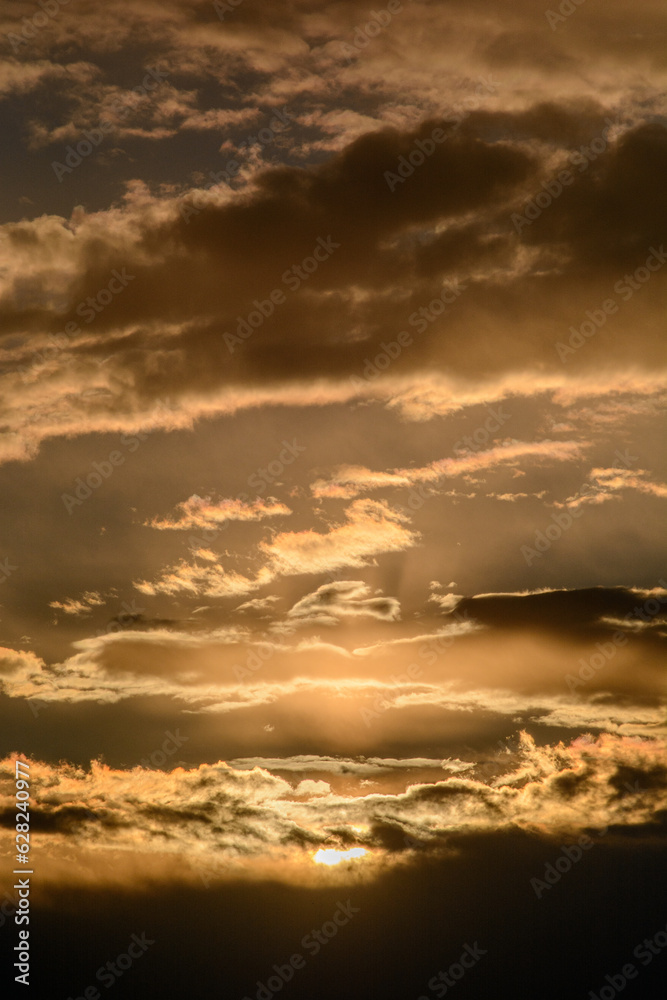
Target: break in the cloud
237,816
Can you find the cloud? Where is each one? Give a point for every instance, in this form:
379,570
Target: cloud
238,815
80,606
198,512
377,279
349,481
366,767
343,598
258,604
558,610
587,660
607,484
370,528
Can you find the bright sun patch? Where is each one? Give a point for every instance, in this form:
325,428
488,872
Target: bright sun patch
333,857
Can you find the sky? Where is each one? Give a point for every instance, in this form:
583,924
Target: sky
333,586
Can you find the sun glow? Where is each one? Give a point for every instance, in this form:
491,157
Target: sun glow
332,857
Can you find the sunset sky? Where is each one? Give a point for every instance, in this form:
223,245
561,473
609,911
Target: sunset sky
333,474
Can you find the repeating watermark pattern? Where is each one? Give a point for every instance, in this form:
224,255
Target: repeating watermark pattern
293,277
564,520
260,480
481,435
258,656
442,982
565,9
607,650
282,119
419,494
570,855
364,33
168,748
209,875
313,942
93,305
264,477
109,973
554,186
429,651
31,26
37,705
102,471
123,620
596,318
420,319
6,569
88,309
92,138
222,9
423,148
645,952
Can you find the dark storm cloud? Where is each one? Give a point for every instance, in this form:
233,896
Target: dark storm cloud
254,813
568,611
207,276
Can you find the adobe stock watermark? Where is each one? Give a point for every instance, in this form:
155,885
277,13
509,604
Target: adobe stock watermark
423,148
554,186
482,434
313,942
88,309
607,650
281,120
260,480
570,855
126,618
420,319
566,9
596,318
378,22
468,443
443,981
293,278
31,26
429,651
261,653
222,9
168,748
123,620
103,470
645,952
109,973
6,569
564,520
92,138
